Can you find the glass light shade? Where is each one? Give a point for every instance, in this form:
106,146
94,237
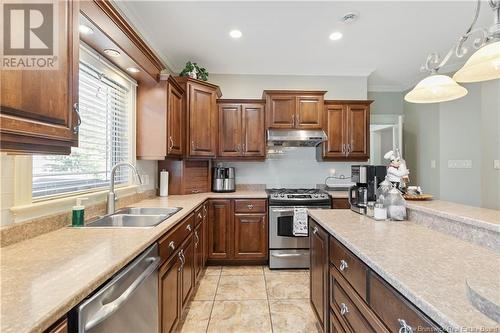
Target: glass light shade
483,65
435,88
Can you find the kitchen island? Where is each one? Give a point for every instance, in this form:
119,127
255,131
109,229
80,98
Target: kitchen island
434,271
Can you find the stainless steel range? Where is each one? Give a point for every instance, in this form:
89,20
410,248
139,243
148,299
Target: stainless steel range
285,249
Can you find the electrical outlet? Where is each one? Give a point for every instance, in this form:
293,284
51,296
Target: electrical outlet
496,164
433,164
459,164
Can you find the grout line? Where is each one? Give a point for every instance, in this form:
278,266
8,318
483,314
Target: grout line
268,303
213,301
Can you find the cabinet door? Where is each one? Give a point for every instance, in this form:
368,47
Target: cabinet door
219,229
254,142
169,289
198,251
187,271
202,121
336,119
38,106
281,111
309,112
318,239
175,121
358,129
230,131
250,236
205,233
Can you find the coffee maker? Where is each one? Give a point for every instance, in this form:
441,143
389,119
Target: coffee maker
367,179
223,179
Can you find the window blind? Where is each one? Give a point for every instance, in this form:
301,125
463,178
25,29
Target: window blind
103,140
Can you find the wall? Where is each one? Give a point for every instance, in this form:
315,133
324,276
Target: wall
386,102
464,129
297,166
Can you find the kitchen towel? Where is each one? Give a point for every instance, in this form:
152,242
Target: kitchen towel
300,222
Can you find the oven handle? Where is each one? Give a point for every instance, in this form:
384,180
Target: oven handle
282,210
285,255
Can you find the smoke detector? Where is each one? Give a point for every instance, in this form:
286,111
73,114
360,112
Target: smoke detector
350,17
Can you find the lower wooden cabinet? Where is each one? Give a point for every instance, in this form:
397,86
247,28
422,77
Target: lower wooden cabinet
318,247
198,251
170,280
237,231
187,270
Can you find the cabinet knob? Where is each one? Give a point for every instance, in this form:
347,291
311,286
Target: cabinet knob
188,227
315,230
195,191
171,245
250,206
76,109
343,265
343,309
200,216
404,327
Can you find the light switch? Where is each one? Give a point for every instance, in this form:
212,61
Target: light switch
496,164
433,164
459,164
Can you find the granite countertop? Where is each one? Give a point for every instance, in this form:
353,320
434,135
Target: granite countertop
44,277
429,268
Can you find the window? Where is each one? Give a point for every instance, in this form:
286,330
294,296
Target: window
103,138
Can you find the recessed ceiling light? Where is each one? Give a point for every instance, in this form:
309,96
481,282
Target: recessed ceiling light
350,17
85,29
335,35
112,52
235,33
133,70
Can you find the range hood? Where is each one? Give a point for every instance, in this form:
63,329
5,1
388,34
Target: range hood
295,138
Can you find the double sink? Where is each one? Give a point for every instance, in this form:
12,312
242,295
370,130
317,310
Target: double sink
134,217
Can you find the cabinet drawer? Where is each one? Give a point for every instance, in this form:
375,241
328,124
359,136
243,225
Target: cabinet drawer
352,311
171,242
353,269
335,325
198,215
249,206
393,309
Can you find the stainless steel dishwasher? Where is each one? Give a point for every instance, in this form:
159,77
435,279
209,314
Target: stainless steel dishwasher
127,303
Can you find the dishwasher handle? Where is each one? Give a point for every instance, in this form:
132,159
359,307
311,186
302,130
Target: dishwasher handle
108,309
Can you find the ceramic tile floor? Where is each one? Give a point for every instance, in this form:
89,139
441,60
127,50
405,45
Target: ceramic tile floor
250,299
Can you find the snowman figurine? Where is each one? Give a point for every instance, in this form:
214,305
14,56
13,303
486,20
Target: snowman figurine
397,172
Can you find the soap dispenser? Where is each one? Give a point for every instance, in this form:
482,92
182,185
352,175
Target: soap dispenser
78,213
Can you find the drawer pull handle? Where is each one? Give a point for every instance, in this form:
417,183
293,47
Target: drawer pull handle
171,245
405,328
343,309
189,227
197,239
250,206
200,216
343,265
315,230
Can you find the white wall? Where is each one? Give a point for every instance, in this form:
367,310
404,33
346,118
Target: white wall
298,166
464,129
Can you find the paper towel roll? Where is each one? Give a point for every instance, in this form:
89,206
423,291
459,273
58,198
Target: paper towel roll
164,183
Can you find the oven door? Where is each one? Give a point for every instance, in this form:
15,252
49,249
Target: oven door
281,229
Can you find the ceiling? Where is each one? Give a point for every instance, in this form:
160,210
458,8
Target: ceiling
388,43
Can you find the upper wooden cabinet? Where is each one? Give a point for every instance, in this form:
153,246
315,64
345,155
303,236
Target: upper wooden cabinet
241,129
38,107
294,109
160,120
347,125
201,122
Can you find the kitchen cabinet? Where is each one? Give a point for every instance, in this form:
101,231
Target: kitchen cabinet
318,249
347,125
186,176
160,120
340,203
238,231
290,109
220,218
241,129
169,293
39,108
198,243
205,233
201,117
187,270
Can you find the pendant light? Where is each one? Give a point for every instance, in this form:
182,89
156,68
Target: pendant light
435,88
483,65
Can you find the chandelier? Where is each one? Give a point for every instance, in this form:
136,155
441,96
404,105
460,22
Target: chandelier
483,65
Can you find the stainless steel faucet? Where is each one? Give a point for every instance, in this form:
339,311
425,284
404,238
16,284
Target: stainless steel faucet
111,194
